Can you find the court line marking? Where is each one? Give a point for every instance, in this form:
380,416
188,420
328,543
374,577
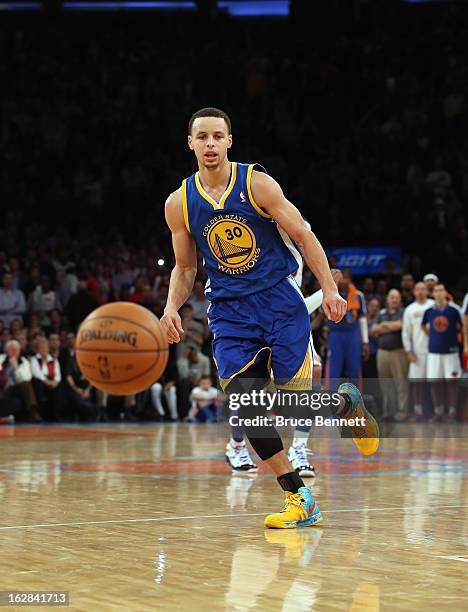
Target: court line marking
211,516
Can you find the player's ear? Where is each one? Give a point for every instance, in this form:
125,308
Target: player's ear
190,142
229,141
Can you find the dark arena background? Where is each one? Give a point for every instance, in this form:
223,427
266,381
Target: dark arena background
359,109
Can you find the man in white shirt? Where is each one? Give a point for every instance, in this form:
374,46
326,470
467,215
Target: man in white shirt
415,343
205,402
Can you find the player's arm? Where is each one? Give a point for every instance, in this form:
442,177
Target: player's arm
184,271
269,196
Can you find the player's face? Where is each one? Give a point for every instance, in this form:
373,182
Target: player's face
210,141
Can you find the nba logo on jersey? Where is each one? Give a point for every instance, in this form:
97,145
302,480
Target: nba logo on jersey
242,197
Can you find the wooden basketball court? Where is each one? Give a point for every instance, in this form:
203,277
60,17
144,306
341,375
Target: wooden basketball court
149,517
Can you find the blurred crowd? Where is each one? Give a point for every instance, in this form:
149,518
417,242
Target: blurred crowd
366,130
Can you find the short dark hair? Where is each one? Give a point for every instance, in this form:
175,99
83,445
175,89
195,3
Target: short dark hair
209,112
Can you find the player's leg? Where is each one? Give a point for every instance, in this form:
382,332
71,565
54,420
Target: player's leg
300,507
298,453
452,371
435,374
237,453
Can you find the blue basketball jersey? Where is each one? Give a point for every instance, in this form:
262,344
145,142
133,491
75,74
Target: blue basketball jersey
243,248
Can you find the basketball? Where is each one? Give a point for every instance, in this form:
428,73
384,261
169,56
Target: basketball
121,348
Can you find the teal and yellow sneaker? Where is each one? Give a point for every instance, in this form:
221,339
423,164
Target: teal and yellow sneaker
366,437
300,510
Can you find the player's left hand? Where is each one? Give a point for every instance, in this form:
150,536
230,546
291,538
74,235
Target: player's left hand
334,306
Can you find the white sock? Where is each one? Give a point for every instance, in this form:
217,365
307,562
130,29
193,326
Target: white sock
418,410
236,444
439,410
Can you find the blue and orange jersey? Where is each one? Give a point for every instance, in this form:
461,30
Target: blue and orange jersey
444,325
356,308
243,248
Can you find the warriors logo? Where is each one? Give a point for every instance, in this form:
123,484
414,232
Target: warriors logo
233,244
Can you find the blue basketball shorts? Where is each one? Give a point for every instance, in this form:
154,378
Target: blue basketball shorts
275,321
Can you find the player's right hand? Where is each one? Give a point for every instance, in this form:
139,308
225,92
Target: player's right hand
334,306
172,325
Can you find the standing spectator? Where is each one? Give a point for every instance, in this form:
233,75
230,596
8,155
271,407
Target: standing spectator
381,292
42,301
415,343
80,304
12,302
198,302
369,366
14,269
407,288
392,363
15,381
56,323
442,323
430,281
368,289
347,340
123,278
46,380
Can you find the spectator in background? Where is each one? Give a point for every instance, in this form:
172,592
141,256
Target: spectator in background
167,386
67,352
123,278
14,270
68,284
370,365
46,380
415,343
198,302
16,327
192,365
12,302
15,381
430,281
392,363
79,393
442,323
56,324
80,305
5,336
205,402
381,292
368,288
407,289
42,301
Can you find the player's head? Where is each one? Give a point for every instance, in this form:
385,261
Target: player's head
440,293
209,136
420,292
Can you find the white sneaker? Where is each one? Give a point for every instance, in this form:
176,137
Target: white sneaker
297,455
239,459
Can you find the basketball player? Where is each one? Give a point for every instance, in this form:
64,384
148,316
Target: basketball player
245,228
